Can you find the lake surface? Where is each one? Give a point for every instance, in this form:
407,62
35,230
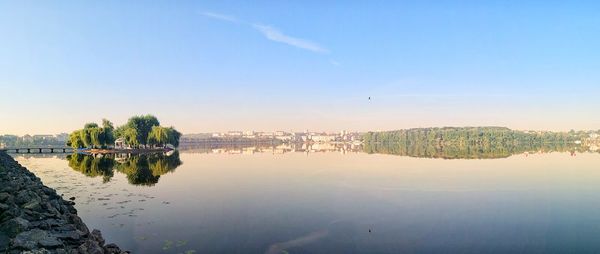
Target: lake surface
332,202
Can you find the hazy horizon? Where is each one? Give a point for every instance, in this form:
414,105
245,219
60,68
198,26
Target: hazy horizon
217,66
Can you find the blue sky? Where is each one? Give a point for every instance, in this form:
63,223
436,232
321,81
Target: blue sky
284,65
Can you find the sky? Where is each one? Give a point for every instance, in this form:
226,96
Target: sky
205,66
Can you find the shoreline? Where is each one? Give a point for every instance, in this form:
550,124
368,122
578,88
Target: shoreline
35,219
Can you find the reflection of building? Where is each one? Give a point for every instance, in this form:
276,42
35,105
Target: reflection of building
323,138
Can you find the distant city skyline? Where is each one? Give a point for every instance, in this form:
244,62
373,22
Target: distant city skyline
218,66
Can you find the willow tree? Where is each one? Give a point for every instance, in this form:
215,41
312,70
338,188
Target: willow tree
75,140
143,126
131,137
92,135
174,136
158,136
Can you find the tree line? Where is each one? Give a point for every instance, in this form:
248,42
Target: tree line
139,131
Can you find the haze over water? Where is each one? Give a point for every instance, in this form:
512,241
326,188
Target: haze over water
333,202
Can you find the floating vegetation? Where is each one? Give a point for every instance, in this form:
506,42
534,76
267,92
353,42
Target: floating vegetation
168,244
181,243
142,238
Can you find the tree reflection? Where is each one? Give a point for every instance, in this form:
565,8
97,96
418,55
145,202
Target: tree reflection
468,151
140,169
92,166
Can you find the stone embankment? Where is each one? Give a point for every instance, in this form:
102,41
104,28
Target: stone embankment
35,219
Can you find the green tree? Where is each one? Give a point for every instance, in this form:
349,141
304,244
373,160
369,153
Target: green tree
131,137
90,125
158,136
143,126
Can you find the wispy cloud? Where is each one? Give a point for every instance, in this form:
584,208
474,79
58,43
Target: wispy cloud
334,62
276,35
219,16
272,34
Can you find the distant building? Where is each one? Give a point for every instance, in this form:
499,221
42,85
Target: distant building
235,133
42,137
62,137
27,138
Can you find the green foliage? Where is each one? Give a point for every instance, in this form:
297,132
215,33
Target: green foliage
90,125
143,125
162,136
92,136
138,131
131,137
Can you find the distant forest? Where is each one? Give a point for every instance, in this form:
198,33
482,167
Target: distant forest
470,142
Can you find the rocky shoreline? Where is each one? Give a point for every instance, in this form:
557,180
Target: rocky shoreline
35,219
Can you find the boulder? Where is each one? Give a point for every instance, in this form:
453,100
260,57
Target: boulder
36,238
14,226
91,247
25,196
96,235
4,242
5,197
33,205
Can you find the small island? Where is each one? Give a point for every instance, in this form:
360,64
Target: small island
141,134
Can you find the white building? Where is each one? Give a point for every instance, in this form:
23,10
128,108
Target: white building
235,134
120,143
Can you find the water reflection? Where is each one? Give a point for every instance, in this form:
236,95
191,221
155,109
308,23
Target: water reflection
140,169
471,151
458,151
311,201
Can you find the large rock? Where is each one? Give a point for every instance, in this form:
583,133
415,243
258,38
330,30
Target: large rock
3,207
25,196
35,238
14,226
96,235
91,247
33,205
5,197
112,248
39,251
4,242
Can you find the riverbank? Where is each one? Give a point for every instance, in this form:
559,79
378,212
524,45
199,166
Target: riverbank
35,219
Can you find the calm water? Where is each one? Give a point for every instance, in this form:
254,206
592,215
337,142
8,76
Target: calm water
336,203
